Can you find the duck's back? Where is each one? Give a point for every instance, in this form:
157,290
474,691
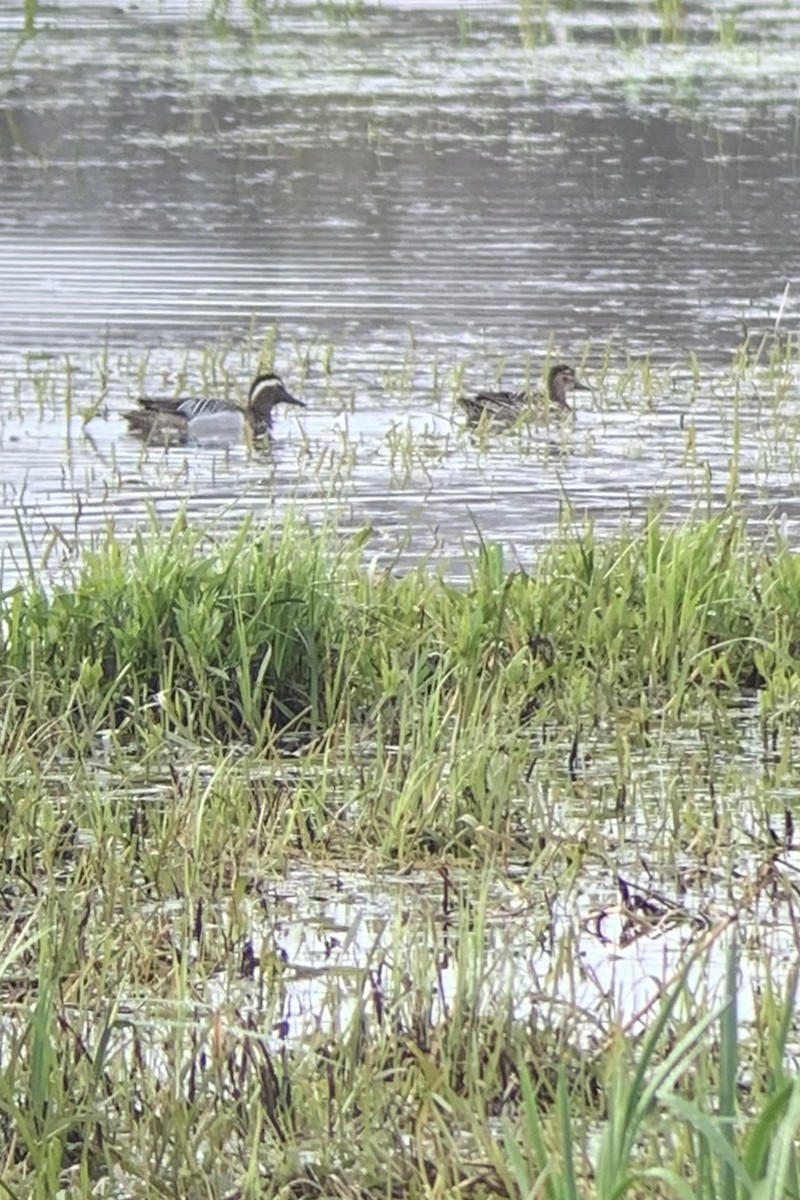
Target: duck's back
497,405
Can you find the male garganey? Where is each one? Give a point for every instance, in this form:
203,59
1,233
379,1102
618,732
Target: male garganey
176,420
506,407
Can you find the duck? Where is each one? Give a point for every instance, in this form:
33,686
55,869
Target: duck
506,407
176,419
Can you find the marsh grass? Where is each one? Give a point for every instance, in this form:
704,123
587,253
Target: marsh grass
283,630
419,708
727,1153
188,716
132,1062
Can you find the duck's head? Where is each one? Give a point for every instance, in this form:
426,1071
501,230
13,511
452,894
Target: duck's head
266,391
563,379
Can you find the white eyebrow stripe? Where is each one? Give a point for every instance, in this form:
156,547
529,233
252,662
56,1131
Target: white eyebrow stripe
268,384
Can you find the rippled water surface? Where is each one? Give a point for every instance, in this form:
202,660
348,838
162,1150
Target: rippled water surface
403,200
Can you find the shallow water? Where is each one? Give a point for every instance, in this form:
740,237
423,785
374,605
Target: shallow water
589,906
436,195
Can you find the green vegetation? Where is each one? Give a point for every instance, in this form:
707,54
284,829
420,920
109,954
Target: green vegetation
193,724
205,1103
324,877
278,632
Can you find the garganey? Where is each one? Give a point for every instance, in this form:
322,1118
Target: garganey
506,407
176,420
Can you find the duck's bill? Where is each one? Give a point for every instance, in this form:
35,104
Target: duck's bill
288,398
580,386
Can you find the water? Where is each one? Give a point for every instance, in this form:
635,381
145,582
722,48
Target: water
688,856
436,194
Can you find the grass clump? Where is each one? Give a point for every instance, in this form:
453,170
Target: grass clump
282,631
333,708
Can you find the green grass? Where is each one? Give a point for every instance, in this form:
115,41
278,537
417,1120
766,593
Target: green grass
409,1095
440,721
192,723
277,632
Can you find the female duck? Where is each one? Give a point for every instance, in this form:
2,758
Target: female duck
171,420
506,407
